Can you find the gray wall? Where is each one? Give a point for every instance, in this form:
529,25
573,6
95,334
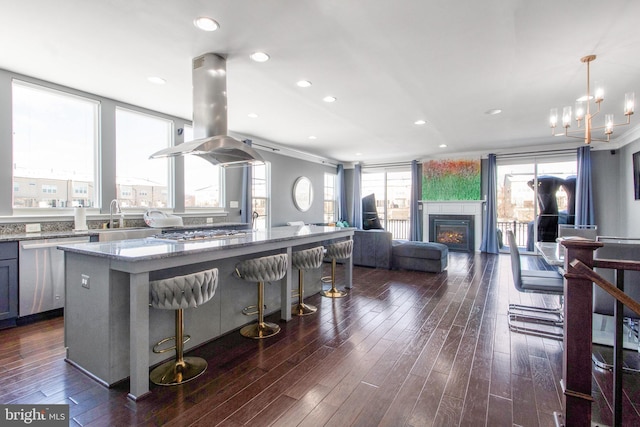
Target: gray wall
616,209
630,208
284,172
606,192
6,150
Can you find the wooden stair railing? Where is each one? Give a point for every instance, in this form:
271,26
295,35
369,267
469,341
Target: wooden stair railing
576,367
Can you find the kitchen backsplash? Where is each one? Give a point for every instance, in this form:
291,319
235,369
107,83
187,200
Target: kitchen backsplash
56,226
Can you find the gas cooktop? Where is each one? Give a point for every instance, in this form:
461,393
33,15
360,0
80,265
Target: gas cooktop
200,235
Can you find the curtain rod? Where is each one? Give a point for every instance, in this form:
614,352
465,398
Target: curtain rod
534,153
385,165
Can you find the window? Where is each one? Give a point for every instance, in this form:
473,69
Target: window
392,190
517,193
329,197
49,189
137,137
54,144
203,181
260,195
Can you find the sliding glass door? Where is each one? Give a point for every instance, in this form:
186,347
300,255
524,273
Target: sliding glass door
535,195
392,190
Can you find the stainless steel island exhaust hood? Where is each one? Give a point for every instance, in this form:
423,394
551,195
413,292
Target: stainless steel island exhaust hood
210,118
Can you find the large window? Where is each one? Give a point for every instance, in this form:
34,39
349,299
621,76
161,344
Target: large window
329,197
142,182
203,181
549,180
54,148
392,190
260,195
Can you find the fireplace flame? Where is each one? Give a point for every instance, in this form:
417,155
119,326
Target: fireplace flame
450,237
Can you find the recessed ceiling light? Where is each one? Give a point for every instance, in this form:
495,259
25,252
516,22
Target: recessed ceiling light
493,111
358,154
252,115
313,137
157,80
205,23
420,122
304,83
584,98
259,56
442,145
329,99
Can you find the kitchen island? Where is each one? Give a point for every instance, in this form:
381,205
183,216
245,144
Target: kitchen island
107,314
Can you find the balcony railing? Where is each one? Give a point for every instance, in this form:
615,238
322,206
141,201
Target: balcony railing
520,231
399,228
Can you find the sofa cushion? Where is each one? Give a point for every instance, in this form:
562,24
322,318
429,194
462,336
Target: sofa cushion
424,250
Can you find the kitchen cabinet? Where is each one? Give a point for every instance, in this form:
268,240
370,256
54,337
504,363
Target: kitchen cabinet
8,284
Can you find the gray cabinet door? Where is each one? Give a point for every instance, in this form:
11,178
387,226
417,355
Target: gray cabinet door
8,289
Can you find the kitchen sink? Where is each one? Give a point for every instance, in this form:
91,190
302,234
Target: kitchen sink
126,233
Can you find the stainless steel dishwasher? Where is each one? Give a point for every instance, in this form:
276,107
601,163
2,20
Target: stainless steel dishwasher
41,280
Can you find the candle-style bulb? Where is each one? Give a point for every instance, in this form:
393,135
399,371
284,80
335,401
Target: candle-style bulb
629,103
566,117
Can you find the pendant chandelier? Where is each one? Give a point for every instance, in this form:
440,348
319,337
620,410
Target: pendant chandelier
583,113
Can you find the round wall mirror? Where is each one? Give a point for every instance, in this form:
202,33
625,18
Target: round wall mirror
303,193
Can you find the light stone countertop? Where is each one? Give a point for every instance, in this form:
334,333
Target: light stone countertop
151,248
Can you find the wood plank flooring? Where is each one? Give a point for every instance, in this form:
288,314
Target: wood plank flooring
403,349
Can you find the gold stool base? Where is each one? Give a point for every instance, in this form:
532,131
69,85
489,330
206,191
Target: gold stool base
260,330
173,373
333,293
303,309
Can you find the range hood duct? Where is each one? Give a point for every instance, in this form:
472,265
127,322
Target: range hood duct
211,141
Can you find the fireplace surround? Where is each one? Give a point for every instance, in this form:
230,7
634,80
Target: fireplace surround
454,207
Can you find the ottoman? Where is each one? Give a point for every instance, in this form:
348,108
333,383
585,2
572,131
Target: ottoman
420,256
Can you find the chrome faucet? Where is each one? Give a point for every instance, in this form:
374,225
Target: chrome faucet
113,203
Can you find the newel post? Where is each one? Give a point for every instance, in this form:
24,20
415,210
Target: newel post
578,304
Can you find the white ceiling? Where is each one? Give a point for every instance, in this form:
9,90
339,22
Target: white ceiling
389,63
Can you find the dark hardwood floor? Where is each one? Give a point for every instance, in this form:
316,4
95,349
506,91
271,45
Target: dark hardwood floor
403,349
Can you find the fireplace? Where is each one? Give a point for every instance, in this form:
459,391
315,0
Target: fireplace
455,231
454,208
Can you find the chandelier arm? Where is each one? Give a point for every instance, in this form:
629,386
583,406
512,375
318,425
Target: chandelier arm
601,140
575,136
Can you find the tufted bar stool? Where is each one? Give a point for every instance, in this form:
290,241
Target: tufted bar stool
260,270
307,259
178,293
336,251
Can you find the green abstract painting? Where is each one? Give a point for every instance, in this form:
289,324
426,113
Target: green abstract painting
451,179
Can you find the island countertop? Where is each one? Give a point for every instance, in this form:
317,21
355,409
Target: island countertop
154,248
109,326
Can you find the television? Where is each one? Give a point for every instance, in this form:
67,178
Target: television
370,220
636,175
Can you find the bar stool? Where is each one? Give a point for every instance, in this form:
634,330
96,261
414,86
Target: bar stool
178,293
336,251
305,260
260,270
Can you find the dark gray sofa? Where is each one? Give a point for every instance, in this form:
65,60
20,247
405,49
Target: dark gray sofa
372,248
376,248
